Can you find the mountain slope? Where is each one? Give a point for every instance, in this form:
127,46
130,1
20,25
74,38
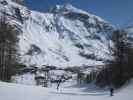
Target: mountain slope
64,36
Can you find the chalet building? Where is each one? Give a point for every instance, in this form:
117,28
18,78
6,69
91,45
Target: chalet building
42,77
90,74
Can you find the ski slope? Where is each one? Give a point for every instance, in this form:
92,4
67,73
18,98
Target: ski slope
9,91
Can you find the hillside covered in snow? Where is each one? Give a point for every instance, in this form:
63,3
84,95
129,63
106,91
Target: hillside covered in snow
64,36
10,91
61,55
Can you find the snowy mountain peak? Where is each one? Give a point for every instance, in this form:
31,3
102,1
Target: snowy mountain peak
67,8
21,2
65,36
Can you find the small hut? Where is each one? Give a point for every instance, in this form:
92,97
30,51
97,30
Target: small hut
42,77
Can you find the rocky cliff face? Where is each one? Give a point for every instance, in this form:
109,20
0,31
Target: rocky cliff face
21,2
64,36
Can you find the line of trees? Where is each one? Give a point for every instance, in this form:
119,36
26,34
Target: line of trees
120,69
8,51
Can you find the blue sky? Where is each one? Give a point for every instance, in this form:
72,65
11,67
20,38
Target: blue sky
118,12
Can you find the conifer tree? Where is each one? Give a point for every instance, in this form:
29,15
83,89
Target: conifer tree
8,41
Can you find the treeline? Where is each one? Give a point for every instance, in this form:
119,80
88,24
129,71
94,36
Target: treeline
120,69
8,50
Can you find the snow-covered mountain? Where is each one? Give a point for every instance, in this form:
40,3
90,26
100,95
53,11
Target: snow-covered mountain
64,36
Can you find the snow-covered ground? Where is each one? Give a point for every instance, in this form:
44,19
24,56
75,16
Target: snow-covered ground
68,91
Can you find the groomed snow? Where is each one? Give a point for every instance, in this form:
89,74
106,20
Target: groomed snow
9,91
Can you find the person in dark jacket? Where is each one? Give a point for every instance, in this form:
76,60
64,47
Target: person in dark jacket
111,91
59,81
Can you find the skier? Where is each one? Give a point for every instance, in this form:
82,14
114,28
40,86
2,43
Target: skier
59,81
111,91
